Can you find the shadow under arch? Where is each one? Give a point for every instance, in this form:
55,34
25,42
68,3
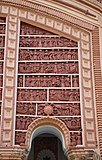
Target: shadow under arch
49,130
49,125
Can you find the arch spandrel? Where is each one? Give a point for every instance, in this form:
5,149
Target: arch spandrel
48,121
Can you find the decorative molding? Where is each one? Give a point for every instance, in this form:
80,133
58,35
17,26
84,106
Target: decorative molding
49,12
7,123
53,23
82,154
87,12
50,121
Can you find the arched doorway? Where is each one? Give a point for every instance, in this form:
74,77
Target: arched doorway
43,135
46,146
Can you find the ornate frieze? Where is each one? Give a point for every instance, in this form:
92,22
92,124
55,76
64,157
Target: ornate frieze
48,64
48,54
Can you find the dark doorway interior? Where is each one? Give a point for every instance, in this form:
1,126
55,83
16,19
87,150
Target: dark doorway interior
46,147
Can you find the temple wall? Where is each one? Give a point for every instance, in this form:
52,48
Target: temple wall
50,66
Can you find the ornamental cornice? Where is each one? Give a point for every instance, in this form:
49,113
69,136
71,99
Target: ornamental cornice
34,6
93,3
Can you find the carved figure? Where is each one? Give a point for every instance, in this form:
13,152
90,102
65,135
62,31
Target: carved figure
21,68
31,95
23,122
67,67
43,81
2,29
73,139
74,54
74,67
20,138
75,81
37,97
0,81
21,108
53,95
49,81
1,54
31,109
20,81
20,95
43,95
2,39
76,95
1,67
63,67
67,81
57,82
33,81
27,81
76,138
73,123
25,94
79,139
69,54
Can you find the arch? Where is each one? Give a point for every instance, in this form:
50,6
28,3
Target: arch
47,129
45,124
71,26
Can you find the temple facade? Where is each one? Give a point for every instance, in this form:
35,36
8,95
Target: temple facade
50,80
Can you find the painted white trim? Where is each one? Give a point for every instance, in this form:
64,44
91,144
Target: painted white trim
47,129
16,81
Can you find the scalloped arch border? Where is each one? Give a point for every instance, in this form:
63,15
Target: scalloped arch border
50,121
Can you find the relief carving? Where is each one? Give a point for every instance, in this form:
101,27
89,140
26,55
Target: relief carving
73,123
20,81
75,81
31,95
48,54
70,109
64,95
68,66
1,67
75,138
25,108
1,81
48,67
27,29
46,81
2,29
1,54
20,138
2,41
0,94
22,123
48,109
0,107
47,42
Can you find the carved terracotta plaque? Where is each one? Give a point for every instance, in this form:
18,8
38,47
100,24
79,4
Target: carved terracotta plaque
48,81
2,45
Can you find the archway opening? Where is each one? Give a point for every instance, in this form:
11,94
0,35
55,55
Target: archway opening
46,146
